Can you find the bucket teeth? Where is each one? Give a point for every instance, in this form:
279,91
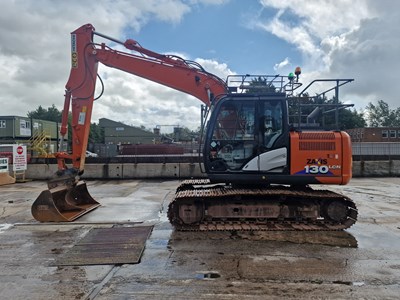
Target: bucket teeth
63,203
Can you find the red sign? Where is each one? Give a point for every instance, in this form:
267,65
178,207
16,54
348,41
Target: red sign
19,158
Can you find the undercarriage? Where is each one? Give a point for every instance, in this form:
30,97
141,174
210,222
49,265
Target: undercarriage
200,205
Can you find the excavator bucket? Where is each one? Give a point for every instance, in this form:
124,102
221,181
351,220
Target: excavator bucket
63,203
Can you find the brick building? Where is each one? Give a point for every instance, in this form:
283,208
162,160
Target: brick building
375,134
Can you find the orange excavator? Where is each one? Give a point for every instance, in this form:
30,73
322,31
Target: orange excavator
259,164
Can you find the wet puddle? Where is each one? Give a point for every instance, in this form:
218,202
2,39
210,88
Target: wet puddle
207,275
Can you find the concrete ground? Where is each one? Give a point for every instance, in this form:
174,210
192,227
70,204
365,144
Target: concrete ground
360,263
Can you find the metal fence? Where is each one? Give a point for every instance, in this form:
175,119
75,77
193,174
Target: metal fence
376,151
365,148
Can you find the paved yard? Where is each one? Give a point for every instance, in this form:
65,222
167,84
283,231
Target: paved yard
360,263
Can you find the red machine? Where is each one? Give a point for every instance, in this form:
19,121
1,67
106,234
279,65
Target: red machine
259,164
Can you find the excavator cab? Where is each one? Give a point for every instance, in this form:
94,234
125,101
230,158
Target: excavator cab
251,138
247,135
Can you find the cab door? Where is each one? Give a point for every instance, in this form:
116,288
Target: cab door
232,138
272,137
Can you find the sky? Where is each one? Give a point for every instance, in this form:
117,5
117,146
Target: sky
356,39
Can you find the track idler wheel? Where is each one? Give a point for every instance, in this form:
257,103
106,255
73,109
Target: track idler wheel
63,203
336,211
186,213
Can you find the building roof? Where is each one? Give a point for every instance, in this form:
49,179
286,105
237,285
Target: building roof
104,122
122,129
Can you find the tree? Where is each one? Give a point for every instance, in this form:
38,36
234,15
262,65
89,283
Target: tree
260,86
49,114
96,134
348,118
381,115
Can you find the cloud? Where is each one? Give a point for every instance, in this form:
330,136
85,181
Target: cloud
282,64
370,55
220,69
137,101
35,58
210,2
306,24
343,39
349,39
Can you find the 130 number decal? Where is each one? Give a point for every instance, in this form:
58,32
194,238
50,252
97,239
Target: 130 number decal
314,169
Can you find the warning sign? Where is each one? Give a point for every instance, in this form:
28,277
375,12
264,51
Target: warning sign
19,158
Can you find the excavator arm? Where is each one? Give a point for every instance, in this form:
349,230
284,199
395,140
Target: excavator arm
67,198
172,71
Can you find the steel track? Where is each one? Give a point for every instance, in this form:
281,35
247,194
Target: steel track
199,190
